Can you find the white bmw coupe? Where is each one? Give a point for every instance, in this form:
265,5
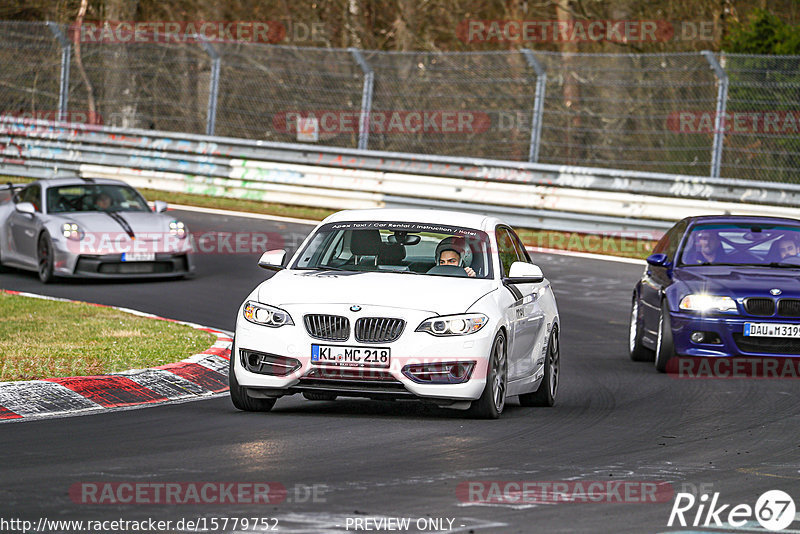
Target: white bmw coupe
445,307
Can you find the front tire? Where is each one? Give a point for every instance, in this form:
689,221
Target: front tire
45,258
665,350
241,400
493,399
548,389
637,351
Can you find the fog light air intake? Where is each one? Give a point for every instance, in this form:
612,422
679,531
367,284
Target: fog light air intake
710,338
269,364
439,373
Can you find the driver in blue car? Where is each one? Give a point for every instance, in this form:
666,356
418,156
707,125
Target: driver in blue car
787,247
451,251
708,248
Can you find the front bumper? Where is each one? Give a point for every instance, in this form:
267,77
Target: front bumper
165,264
411,347
730,331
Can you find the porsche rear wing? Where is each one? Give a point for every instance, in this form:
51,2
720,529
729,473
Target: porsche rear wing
8,189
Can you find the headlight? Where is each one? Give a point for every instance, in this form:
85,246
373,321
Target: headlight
453,325
265,315
177,228
706,303
72,231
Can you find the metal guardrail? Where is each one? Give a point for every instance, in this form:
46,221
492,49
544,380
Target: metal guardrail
527,194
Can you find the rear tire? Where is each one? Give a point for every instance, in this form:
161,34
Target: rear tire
637,351
665,350
44,255
493,399
241,400
548,389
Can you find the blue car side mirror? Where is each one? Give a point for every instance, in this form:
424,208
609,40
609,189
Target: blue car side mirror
658,260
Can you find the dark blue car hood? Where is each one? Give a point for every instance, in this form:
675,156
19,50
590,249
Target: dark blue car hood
735,282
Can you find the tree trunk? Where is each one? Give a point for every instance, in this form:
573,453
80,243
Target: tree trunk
119,80
570,89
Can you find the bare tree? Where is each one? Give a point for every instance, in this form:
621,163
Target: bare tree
90,98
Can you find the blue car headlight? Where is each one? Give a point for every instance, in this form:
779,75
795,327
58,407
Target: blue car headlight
453,325
265,315
708,303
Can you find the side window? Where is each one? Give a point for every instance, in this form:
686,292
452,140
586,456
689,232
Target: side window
315,246
506,249
674,240
522,253
668,244
661,246
32,194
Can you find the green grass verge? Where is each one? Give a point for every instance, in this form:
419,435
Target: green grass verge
628,247
45,339
250,206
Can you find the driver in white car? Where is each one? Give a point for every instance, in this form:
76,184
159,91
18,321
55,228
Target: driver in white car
450,251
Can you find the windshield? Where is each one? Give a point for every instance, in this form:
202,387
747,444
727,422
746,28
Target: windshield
742,244
94,197
412,248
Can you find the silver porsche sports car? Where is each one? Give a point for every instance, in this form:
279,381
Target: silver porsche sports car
92,228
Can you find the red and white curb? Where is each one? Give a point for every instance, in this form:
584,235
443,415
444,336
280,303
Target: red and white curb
199,376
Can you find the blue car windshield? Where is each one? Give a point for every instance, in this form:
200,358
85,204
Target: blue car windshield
742,244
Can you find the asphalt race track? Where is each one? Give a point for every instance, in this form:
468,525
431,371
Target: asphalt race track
351,459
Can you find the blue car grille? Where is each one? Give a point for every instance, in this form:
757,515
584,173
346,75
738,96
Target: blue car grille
789,307
767,345
765,307
762,307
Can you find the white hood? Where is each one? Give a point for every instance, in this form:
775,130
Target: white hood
436,294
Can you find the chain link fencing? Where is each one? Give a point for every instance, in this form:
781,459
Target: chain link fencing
701,114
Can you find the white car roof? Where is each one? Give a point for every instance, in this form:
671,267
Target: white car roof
431,216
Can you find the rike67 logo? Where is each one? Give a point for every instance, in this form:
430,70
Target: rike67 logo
774,510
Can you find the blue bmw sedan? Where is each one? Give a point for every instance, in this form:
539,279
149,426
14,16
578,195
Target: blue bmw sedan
719,286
